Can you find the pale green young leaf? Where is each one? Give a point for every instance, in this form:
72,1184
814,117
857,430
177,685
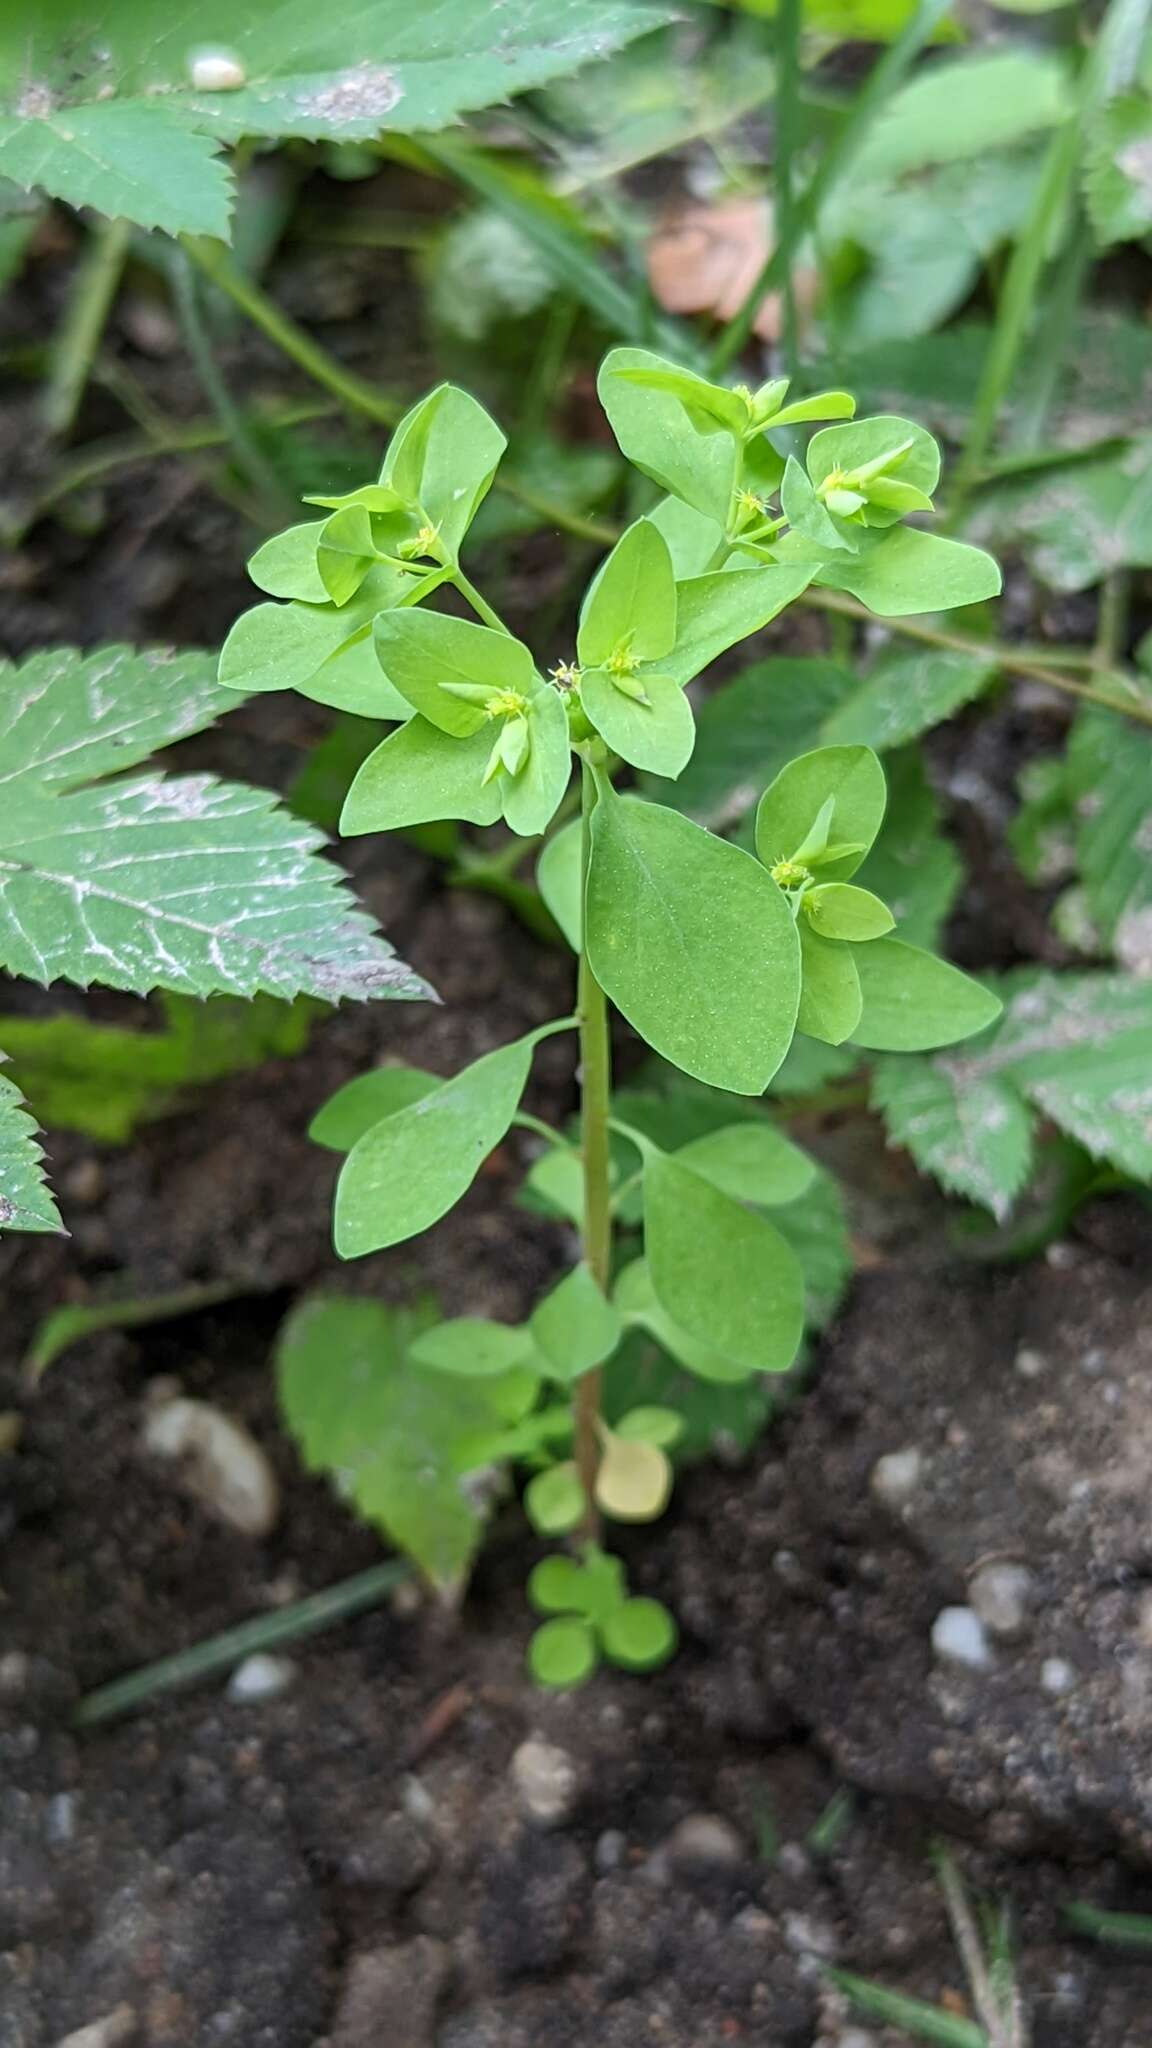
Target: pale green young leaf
557,1179
420,651
574,1327
473,1347
909,571
560,881
693,942
286,567
392,1435
639,1636
631,604
442,458
808,516
26,1202
413,1166
963,109
659,1426
838,910
823,405
852,778
862,443
323,650
913,1001
694,458
554,1500
562,1653
721,1272
715,611
707,405
531,798
419,774
345,552
752,1162
905,693
692,538
656,733
830,997
365,1100
635,1297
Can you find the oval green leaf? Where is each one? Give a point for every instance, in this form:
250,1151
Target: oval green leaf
560,882
632,600
693,942
365,1101
657,734
286,565
752,1162
913,1001
854,781
562,1653
639,1636
722,1272
635,1297
911,571
409,1170
838,910
419,774
575,1327
554,1500
473,1347
420,651
830,999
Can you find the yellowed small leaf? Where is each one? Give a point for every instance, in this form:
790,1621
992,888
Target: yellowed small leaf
634,1480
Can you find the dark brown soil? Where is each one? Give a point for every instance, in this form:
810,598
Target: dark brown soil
349,1864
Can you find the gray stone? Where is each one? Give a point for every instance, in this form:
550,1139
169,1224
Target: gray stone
391,1995
547,1782
896,1477
1002,1596
959,1637
113,2031
704,1841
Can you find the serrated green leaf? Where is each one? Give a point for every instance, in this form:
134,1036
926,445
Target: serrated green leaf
1082,522
910,571
129,159
913,1001
574,1327
964,108
26,1202
693,942
122,117
67,718
719,1271
906,694
413,1166
1108,775
972,1132
392,1435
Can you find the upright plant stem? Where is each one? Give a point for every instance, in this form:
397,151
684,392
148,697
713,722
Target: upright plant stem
79,338
595,1091
787,147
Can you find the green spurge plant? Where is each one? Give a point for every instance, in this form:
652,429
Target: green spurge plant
715,955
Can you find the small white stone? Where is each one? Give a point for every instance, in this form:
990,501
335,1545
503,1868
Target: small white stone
1030,1364
15,1669
704,1838
1001,1596
215,1460
809,1936
215,71
1057,1675
959,1637
260,1677
546,1780
896,1477
112,2031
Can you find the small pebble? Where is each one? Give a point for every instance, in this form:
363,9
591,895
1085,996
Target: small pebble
15,1671
1030,1364
808,1936
896,1477
1057,1675
1002,1596
260,1677
611,1850
215,1460
113,2031
702,1839
959,1637
547,1782
60,1819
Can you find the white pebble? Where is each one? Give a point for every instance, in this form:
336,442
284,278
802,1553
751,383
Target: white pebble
959,1637
896,1476
1030,1364
809,1936
611,1851
110,2032
704,1838
546,1781
215,71
216,1461
1057,1675
1001,1596
260,1677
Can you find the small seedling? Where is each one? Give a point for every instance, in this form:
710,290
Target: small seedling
716,955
